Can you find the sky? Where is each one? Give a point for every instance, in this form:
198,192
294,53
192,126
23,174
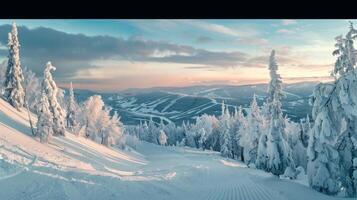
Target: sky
113,55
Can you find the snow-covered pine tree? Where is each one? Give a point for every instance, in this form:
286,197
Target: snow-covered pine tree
162,138
305,127
14,92
275,84
346,53
72,107
278,151
243,127
294,139
91,113
322,168
44,120
111,129
153,134
262,158
254,130
32,86
144,131
226,144
201,138
332,144
49,87
235,133
102,125
225,132
205,127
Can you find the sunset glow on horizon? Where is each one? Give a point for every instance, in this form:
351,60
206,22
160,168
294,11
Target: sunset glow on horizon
112,55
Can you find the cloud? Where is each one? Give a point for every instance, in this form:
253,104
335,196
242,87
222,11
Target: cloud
285,31
74,52
218,28
204,39
287,22
252,41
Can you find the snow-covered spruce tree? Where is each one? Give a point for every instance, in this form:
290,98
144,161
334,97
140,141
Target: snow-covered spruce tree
332,144
99,126
322,168
162,138
250,139
305,127
14,92
3,68
225,134
346,52
143,131
111,129
275,84
226,144
44,120
206,127
202,136
173,135
262,158
153,134
293,132
72,107
49,87
278,151
91,113
243,128
102,125
235,133
32,86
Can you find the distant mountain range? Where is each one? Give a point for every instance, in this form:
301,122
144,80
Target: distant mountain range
177,104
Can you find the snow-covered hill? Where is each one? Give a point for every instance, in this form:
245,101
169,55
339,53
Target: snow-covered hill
185,103
76,168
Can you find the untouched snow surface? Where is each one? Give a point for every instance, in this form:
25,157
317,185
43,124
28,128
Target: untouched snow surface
77,168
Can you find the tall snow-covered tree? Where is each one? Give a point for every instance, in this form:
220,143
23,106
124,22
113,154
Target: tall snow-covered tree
44,120
32,86
323,157
250,138
236,123
226,144
72,108
14,92
346,53
275,84
225,132
333,140
92,112
278,151
49,87
243,128
262,157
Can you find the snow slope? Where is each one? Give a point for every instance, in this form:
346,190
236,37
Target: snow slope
77,168
186,103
